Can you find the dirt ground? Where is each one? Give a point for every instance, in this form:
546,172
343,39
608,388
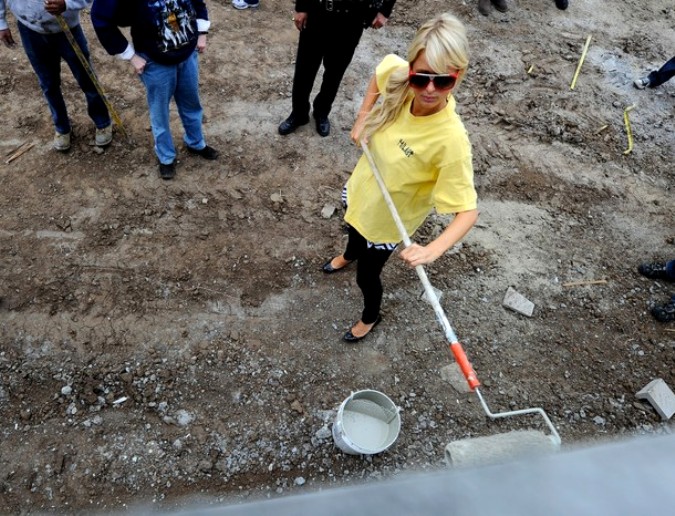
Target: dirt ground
163,343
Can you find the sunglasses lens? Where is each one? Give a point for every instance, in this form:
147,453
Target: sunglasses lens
443,83
419,81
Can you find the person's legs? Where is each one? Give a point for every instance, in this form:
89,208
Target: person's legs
160,84
187,101
663,74
346,31
45,59
356,245
96,107
310,53
368,271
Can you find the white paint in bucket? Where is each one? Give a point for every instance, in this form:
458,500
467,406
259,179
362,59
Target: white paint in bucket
366,423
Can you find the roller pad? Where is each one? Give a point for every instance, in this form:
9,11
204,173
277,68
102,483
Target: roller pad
499,448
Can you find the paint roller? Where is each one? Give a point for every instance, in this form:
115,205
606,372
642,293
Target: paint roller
482,450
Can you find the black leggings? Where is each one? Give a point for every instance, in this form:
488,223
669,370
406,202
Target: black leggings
370,262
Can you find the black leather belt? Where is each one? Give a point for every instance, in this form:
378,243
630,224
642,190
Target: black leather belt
342,6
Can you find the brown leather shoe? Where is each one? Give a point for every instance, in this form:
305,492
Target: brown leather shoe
500,5
484,7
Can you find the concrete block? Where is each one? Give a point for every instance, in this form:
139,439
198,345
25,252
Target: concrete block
452,374
518,303
424,297
327,211
660,396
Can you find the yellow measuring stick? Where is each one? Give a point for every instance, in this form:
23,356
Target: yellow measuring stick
581,61
90,73
629,133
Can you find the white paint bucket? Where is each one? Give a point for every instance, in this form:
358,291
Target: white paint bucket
366,423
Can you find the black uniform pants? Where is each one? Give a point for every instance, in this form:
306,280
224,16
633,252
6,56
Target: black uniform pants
369,265
330,38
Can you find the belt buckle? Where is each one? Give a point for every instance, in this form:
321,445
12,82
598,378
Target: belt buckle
329,5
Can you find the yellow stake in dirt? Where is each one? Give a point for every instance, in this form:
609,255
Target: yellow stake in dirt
90,73
629,133
581,61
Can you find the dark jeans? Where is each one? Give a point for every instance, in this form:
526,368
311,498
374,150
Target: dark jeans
45,52
370,262
663,74
330,38
670,268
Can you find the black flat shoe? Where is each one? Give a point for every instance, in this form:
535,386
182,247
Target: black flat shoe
350,337
291,124
329,269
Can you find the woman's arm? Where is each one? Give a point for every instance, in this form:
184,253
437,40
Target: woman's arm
372,94
420,255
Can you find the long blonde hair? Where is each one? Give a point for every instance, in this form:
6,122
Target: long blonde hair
443,38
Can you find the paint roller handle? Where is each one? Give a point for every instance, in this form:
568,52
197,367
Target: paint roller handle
455,346
464,365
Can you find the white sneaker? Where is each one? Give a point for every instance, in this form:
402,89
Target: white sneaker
61,142
103,136
245,4
641,83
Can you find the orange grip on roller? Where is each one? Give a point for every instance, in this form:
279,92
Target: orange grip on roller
465,365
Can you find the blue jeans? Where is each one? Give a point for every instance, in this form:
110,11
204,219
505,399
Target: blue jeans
180,81
45,52
663,74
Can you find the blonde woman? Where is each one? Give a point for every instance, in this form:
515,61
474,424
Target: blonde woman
423,154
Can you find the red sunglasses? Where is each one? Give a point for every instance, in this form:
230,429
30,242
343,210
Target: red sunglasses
441,81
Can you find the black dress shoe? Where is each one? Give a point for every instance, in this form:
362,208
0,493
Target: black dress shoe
329,269
207,152
350,337
322,125
500,5
167,171
291,124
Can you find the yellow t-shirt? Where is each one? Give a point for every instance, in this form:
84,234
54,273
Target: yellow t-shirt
424,161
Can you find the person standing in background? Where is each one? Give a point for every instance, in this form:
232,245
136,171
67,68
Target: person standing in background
46,45
167,36
330,31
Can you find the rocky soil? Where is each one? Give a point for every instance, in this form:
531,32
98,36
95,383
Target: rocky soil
166,343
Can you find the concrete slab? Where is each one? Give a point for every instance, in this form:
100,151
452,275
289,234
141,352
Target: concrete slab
452,374
660,396
517,302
